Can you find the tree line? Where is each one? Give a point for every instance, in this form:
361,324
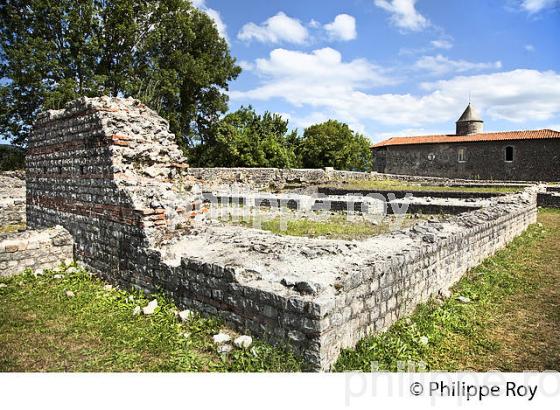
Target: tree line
169,55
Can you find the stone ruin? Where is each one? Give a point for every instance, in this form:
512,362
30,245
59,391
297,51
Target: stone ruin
108,170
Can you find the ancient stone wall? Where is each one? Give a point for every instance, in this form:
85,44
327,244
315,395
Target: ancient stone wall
274,178
264,178
105,170
549,199
36,249
109,171
435,257
12,198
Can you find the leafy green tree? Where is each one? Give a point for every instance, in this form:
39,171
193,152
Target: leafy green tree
245,139
166,53
334,144
11,158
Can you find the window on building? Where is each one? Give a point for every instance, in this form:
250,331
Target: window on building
461,157
509,154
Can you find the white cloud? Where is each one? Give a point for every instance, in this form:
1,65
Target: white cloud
410,132
276,29
323,83
555,127
530,48
439,65
534,6
297,75
517,96
214,15
314,23
404,14
445,44
342,28
246,65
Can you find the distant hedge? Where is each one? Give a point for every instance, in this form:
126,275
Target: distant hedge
11,158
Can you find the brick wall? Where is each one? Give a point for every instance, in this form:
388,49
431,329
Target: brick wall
37,249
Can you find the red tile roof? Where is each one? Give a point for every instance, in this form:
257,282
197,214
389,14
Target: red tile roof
483,136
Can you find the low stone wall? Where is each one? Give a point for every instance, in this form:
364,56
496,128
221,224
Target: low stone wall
109,171
12,198
275,178
264,178
34,249
549,199
402,193
370,301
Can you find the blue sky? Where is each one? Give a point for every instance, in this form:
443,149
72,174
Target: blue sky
396,67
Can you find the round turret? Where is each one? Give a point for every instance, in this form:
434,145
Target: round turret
469,123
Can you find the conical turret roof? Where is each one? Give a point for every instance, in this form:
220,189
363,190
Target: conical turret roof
470,114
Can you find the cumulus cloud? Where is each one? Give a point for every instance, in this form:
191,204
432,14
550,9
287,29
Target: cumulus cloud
301,77
535,6
342,28
246,65
404,14
439,65
322,82
517,96
444,44
276,29
214,15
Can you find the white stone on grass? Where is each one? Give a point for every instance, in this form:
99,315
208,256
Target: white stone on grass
184,315
58,276
3,285
137,310
463,299
424,340
150,308
71,270
243,342
224,348
70,294
108,287
39,272
221,338
444,293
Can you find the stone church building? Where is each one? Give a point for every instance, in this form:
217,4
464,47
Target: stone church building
471,153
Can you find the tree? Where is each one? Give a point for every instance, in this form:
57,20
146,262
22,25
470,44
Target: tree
245,139
166,53
334,144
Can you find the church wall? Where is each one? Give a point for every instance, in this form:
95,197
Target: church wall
533,160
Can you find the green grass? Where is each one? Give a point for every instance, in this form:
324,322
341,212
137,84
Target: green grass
394,184
41,329
335,227
511,324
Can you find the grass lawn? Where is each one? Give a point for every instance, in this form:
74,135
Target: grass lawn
512,324
41,329
398,185
334,227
